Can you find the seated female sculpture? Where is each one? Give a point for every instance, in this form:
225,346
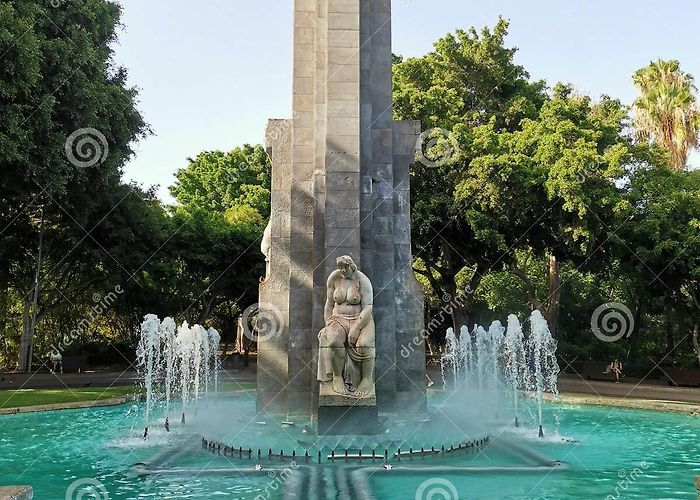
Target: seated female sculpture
346,345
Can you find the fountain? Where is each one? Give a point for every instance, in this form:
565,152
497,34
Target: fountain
514,361
341,364
541,362
483,371
170,358
501,368
148,357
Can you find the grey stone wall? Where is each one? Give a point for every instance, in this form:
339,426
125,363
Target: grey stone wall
340,186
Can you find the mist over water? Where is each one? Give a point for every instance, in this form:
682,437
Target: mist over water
499,376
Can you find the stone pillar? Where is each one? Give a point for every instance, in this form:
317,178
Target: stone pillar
344,166
273,350
408,298
342,139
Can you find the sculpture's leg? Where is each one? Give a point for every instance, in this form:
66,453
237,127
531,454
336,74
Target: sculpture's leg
353,372
366,347
336,341
338,365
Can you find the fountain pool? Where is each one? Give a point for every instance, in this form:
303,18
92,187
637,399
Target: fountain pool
606,451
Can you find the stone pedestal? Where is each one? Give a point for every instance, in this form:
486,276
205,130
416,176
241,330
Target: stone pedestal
697,486
344,416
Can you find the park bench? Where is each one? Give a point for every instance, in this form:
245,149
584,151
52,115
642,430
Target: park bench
597,371
682,377
73,364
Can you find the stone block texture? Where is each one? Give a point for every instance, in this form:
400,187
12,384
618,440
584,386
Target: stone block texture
341,187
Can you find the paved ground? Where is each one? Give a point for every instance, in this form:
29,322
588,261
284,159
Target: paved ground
58,381
629,389
234,370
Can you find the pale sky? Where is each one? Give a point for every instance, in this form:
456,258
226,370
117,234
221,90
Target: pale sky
212,72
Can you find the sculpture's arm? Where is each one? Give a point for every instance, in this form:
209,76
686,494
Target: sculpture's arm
367,307
363,320
330,303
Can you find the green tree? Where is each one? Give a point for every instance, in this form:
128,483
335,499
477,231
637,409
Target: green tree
468,80
218,181
548,188
223,204
660,248
666,111
60,78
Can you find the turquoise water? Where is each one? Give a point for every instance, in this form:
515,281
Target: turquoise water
608,453
617,453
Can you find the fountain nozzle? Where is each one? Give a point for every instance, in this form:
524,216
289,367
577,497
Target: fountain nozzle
541,432
517,424
182,420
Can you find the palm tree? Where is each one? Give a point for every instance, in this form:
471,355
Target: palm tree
666,111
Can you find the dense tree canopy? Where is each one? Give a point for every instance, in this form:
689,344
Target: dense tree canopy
217,181
526,196
534,195
223,207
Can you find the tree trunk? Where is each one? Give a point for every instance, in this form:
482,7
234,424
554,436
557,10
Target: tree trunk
636,339
24,359
206,311
461,313
668,325
554,302
26,346
696,339
529,287
460,318
4,297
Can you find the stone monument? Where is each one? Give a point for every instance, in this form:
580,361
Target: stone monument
340,189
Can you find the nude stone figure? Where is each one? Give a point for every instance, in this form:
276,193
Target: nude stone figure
347,343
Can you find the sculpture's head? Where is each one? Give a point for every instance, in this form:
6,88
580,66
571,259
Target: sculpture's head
346,266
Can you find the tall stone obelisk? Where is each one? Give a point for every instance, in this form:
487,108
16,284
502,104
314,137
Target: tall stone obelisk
340,186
